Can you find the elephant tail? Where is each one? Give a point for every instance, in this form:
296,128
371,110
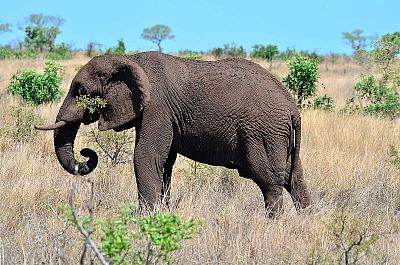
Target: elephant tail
295,141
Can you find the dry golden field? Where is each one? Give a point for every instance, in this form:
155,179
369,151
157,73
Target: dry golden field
355,190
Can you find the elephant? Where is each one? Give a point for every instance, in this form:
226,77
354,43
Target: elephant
230,112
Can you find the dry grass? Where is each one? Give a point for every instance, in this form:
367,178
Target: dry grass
344,158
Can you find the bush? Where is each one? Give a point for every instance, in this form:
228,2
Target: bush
120,49
229,50
132,239
60,52
26,54
36,88
189,54
25,119
374,99
385,55
302,78
6,53
324,103
267,52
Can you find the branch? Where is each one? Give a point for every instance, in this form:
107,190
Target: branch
85,234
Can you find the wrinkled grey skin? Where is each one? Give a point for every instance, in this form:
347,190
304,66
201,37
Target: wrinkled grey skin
230,113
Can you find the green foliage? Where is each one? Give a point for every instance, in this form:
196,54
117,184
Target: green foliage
302,78
378,94
164,233
41,31
25,118
36,88
157,34
267,52
119,50
385,53
6,53
26,54
324,103
189,54
357,40
92,104
60,52
229,50
133,239
374,99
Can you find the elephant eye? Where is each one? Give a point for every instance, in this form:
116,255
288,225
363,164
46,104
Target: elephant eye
80,91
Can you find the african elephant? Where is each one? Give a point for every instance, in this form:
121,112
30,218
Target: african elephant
230,113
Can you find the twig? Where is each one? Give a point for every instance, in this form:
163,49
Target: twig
2,254
85,234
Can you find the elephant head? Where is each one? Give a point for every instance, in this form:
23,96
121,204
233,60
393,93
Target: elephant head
126,89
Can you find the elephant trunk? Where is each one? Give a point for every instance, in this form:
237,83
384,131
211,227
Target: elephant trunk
64,146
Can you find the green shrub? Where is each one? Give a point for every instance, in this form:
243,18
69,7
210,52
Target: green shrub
133,239
374,99
25,118
119,50
302,78
267,52
229,50
36,88
324,102
189,54
385,55
6,53
26,54
60,52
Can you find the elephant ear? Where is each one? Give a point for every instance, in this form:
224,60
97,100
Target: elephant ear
127,92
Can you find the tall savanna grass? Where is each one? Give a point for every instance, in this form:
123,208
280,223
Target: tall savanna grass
346,165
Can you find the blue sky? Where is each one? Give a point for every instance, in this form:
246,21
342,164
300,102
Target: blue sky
201,25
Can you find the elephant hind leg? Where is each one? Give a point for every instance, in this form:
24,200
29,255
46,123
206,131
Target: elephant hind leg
267,168
296,185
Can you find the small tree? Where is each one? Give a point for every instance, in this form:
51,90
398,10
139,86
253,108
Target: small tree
157,34
302,78
267,52
357,40
385,53
41,31
5,27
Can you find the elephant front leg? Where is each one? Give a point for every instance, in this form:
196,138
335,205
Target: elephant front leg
153,168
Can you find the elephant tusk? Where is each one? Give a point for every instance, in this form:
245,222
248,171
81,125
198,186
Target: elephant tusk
54,126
